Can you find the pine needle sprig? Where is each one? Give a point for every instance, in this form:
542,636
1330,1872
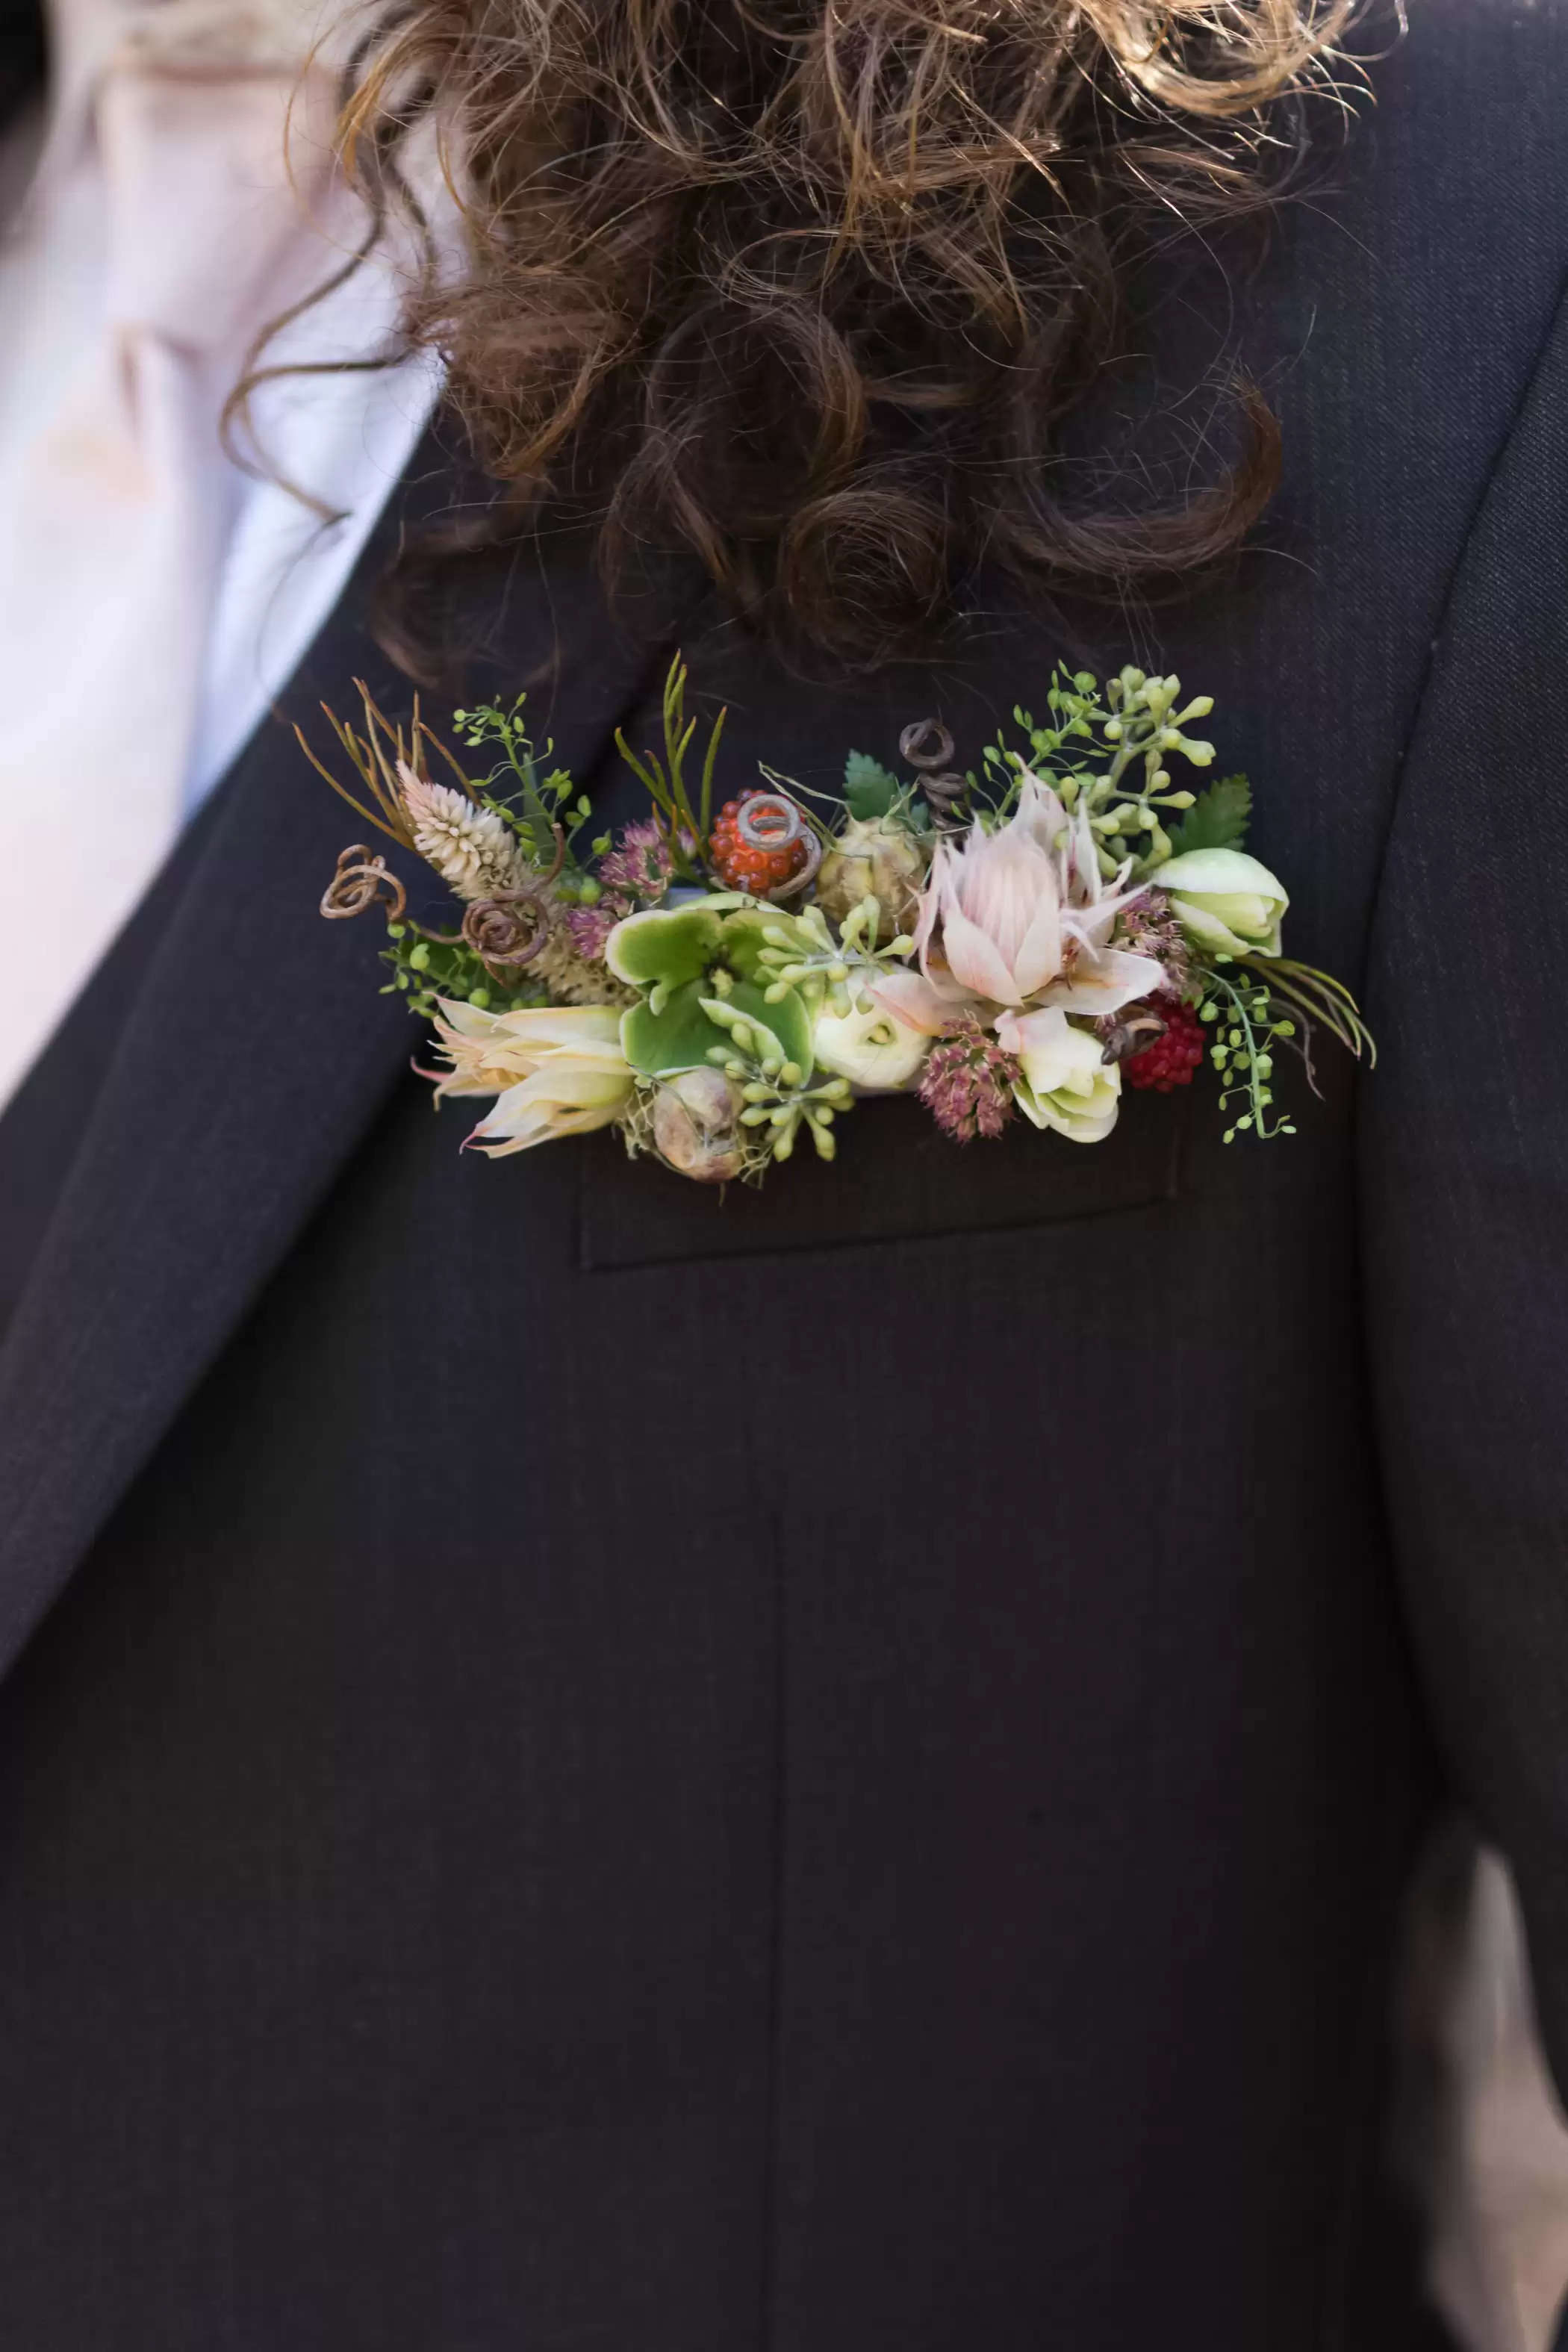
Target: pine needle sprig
1320,997
664,780
375,758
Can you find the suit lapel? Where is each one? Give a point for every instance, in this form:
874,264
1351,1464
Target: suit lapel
251,1057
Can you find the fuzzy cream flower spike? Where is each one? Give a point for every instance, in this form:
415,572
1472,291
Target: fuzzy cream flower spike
1019,942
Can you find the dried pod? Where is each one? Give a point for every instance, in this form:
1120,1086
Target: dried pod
878,858
696,1126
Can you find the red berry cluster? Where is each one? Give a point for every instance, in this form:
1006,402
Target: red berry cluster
742,865
1171,1060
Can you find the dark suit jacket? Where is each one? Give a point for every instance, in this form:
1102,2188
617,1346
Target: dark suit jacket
584,1767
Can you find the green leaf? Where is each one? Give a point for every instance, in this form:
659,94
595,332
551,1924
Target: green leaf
1217,818
868,790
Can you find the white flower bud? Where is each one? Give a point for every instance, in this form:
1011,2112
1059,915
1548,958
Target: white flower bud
1225,900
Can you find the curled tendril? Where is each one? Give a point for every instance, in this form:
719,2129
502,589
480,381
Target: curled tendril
507,931
773,821
797,882
928,746
769,821
1123,1037
559,860
363,880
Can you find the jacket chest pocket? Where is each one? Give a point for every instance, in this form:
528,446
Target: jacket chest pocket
896,1177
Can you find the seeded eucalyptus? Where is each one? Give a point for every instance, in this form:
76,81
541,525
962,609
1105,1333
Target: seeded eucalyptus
1109,755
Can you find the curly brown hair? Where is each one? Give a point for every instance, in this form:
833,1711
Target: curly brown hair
809,287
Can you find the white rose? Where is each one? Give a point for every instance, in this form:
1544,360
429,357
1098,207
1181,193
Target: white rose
1225,900
870,1048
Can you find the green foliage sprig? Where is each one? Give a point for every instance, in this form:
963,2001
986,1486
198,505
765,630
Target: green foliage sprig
1269,1000
870,790
777,1097
530,802
1319,996
1245,1027
424,970
801,953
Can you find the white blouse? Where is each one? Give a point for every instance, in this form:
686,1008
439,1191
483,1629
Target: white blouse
155,596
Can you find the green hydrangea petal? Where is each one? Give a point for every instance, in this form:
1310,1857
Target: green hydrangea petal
667,944
678,1038
788,1020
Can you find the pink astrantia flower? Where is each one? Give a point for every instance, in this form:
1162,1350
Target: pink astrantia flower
635,874
640,861
591,926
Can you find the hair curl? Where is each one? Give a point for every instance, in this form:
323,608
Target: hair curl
810,287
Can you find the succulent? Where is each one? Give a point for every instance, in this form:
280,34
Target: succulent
701,990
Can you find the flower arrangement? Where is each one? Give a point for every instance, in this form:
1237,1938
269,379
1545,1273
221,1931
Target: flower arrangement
1025,940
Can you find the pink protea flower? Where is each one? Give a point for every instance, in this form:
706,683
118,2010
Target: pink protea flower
969,1081
1020,917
